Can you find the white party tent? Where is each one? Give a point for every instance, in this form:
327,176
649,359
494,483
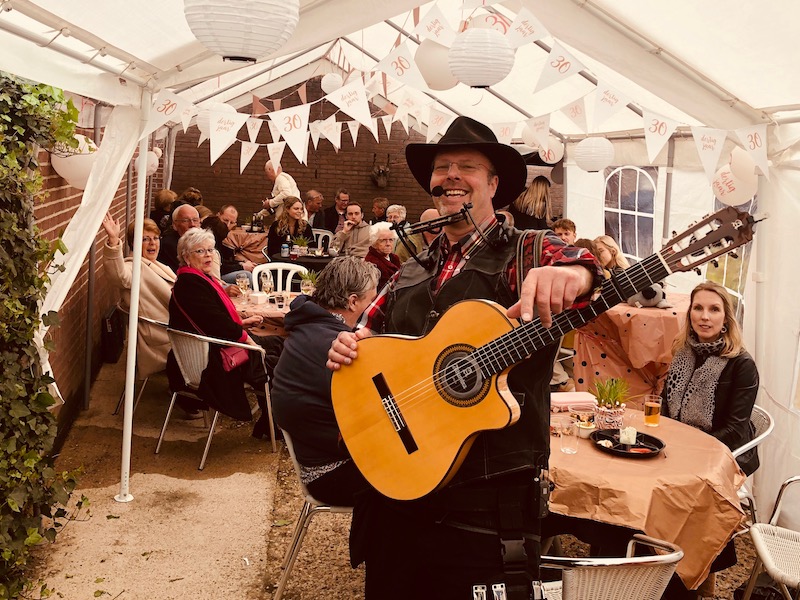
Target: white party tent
725,65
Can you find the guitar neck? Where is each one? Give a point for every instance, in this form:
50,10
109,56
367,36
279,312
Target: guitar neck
516,345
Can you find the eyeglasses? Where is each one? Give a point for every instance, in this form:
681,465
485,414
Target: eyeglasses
148,240
192,220
202,251
466,167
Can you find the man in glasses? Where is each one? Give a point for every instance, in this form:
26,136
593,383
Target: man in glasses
183,219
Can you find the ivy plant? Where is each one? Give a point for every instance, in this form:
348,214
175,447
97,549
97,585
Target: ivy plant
33,495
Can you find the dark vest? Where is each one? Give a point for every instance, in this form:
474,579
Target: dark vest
414,310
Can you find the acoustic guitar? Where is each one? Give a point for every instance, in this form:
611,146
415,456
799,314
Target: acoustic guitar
410,408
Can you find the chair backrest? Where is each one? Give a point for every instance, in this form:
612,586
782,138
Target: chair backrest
191,354
322,237
282,275
629,578
762,425
309,498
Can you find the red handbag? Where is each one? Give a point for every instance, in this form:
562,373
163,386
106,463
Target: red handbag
233,357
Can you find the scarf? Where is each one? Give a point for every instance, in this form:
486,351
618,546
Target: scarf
690,397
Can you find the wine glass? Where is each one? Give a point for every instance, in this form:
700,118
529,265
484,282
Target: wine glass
267,284
243,283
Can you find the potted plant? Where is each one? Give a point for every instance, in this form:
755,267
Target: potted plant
302,243
611,395
308,282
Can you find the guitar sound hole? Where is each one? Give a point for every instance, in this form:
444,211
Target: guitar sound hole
459,378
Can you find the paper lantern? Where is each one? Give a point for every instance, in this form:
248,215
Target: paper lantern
204,116
243,30
152,163
75,168
594,154
431,58
331,82
486,20
743,166
480,57
557,173
731,190
555,151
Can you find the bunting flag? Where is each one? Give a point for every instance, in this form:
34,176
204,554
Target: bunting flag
253,127
353,127
709,144
275,152
373,128
313,129
352,99
186,116
408,104
374,86
576,112
301,91
608,101
754,140
540,128
400,64
525,29
470,4
167,107
504,131
258,108
203,138
224,127
438,122
293,126
387,125
559,65
332,130
249,150
657,130
403,121
434,26
274,132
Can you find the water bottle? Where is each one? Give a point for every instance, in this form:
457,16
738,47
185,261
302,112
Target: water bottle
287,244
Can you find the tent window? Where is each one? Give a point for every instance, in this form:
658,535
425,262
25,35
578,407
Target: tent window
629,201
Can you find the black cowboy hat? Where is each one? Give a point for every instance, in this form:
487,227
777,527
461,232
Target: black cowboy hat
469,133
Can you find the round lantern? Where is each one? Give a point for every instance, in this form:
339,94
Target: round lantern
557,173
431,58
743,166
731,190
152,162
75,168
480,57
204,116
485,20
331,82
594,154
243,30
554,152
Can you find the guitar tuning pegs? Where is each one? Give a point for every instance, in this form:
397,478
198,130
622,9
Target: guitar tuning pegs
697,270
734,254
715,262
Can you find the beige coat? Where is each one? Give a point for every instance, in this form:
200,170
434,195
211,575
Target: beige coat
156,287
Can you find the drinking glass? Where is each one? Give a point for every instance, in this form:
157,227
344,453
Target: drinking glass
652,410
243,283
280,299
568,431
267,285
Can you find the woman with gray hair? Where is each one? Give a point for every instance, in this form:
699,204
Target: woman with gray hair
382,240
301,392
199,304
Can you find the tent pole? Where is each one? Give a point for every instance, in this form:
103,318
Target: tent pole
133,321
665,232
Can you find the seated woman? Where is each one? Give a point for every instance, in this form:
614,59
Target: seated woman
610,255
291,223
199,304
152,345
591,247
382,239
301,392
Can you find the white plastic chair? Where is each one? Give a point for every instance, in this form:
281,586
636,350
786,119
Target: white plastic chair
191,354
154,323
322,237
282,274
762,425
629,578
777,550
311,507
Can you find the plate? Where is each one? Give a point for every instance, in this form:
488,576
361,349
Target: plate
646,446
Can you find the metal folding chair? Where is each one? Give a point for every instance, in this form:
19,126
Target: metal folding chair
762,425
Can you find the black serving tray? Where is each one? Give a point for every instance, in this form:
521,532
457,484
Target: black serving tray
646,446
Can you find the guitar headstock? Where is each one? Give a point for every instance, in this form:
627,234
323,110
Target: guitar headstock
709,238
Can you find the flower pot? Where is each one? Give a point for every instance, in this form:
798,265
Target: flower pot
609,418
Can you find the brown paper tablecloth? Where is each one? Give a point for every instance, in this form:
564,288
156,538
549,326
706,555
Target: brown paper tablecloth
628,342
247,246
273,316
686,496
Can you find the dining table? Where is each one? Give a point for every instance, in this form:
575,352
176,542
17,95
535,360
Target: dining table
270,311
310,261
631,343
685,494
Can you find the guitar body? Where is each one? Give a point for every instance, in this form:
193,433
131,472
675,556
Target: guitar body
407,419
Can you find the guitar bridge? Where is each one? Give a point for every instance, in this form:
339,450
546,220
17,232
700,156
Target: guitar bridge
393,412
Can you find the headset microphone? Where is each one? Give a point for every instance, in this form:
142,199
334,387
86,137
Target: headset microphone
437,191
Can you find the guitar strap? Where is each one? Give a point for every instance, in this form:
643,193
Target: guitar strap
526,262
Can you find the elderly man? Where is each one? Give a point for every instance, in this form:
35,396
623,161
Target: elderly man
334,215
183,219
482,528
353,239
313,202
229,215
396,214
283,187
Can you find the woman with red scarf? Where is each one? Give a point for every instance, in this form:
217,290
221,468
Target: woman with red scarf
382,239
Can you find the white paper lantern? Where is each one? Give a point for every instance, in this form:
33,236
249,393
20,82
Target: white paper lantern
485,20
331,82
480,57
594,154
431,58
743,166
242,29
557,173
204,116
555,151
152,163
731,190
75,168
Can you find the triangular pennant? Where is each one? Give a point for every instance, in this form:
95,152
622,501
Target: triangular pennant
276,104
167,107
526,28
540,128
709,144
301,91
438,122
253,127
504,131
249,150
203,138
352,100
313,129
387,125
754,140
657,131
608,101
353,127
373,128
576,112
470,4
375,86
403,121
399,63
293,125
303,158
258,108
434,26
332,130
406,104
275,152
224,127
415,16
186,116
559,65
274,132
